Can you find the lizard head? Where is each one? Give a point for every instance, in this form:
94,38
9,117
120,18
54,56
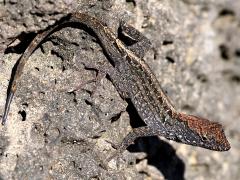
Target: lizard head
204,133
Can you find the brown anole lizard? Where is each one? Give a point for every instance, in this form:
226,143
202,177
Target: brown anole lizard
134,80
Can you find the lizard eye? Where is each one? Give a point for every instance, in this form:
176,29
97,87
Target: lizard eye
204,138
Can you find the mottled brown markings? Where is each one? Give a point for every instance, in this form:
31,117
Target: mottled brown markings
151,85
136,69
153,81
141,68
206,128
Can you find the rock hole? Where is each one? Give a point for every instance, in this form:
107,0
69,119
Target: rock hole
88,102
132,2
40,14
42,93
187,107
226,12
131,163
231,76
237,53
74,164
74,96
63,68
224,52
116,117
235,79
23,114
155,54
75,100
171,60
25,104
167,42
37,68
143,172
202,78
88,91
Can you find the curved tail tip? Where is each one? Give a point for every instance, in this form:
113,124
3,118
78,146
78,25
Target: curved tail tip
4,118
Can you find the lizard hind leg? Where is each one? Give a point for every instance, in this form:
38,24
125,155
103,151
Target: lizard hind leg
65,50
102,70
141,43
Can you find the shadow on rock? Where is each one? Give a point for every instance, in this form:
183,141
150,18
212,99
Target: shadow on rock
161,155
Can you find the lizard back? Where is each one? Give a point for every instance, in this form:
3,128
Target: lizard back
157,112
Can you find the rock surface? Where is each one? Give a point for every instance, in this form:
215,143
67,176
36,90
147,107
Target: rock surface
55,133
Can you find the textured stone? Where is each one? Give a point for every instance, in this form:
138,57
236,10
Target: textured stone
195,55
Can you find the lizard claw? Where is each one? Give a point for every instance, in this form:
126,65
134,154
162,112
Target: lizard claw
115,146
104,163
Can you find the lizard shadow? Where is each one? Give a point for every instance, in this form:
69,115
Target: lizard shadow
159,153
25,39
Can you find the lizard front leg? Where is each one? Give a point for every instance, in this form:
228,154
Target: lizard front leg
141,44
129,139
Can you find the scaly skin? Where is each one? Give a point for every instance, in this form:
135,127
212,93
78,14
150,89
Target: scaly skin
134,80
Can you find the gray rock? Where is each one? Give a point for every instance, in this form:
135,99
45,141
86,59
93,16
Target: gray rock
55,133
